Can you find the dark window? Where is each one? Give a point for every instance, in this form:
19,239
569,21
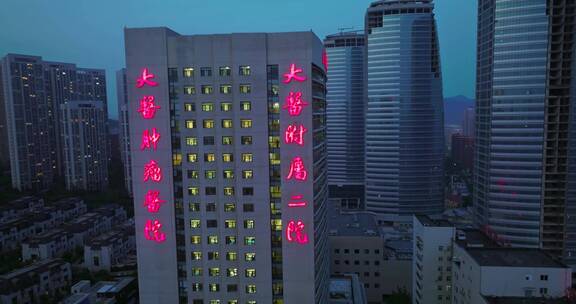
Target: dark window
209,140
210,190
249,191
248,207
246,140
211,223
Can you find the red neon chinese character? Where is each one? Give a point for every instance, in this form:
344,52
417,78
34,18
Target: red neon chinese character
293,74
152,201
150,139
295,232
296,201
145,79
295,134
152,171
152,231
148,107
294,103
297,170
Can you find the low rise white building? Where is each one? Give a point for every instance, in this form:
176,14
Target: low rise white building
36,283
111,248
484,273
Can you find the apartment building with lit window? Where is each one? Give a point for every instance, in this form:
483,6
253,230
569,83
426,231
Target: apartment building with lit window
229,170
124,126
85,143
33,91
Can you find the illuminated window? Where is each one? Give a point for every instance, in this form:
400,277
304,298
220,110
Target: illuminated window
192,157
195,223
191,141
189,90
250,288
227,123
206,72
244,70
228,174
250,256
210,174
245,106
213,255
247,174
249,240
176,159
274,124
189,107
195,239
215,301
196,255
190,124
196,272
193,191
227,157
228,191
207,89
230,240
245,88
212,239
230,224
249,224
250,273
188,72
274,141
207,107
229,207
226,107
225,89
246,140
225,71
209,157
208,123
192,174
214,287
247,157
196,286
232,288
194,207
231,256
274,108
276,225
232,272
274,158
226,140
246,123
213,272
275,192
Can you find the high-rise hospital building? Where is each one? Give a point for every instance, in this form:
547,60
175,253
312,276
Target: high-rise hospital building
228,152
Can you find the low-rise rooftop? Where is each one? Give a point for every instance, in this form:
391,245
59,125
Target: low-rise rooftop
352,224
523,300
513,257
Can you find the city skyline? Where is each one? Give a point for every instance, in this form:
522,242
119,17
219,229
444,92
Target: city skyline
94,43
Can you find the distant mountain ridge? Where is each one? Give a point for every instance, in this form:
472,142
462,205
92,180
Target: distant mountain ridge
454,108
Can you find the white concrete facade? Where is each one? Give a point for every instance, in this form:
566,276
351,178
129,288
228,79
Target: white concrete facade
221,113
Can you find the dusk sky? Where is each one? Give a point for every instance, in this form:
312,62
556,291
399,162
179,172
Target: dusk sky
90,33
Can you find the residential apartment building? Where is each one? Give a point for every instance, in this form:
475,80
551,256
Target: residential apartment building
33,91
85,143
123,106
111,248
37,283
229,158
